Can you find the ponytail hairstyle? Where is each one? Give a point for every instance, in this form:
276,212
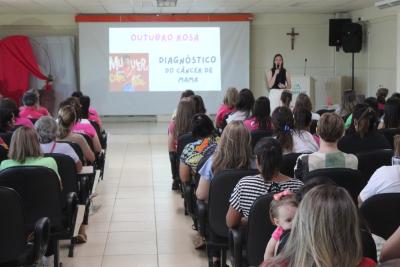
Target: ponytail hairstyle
364,119
286,98
261,112
66,120
283,122
269,157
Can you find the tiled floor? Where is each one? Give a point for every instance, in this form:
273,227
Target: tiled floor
140,222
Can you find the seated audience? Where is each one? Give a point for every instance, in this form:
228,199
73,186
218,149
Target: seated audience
386,179
391,116
47,130
325,232
348,104
283,124
66,120
303,101
185,94
286,98
365,136
180,125
40,108
260,120
25,151
282,209
93,115
270,180
8,103
330,129
391,248
31,109
227,107
198,103
232,152
203,130
244,106
381,95
6,126
303,140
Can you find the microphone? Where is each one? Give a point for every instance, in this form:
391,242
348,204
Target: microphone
305,66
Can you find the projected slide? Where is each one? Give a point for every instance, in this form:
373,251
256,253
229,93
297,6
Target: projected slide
164,59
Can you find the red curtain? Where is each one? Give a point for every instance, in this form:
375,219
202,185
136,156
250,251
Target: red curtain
17,62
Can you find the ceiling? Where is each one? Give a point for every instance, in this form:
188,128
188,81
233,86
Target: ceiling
183,6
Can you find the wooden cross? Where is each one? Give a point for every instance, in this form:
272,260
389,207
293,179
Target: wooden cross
292,35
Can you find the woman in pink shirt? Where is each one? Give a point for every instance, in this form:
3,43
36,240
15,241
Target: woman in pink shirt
227,107
30,109
261,119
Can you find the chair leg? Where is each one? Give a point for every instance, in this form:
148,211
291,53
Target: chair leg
209,255
56,248
86,215
71,247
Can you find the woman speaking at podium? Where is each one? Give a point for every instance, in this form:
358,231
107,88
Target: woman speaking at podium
278,79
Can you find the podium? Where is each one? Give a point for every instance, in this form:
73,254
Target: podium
300,84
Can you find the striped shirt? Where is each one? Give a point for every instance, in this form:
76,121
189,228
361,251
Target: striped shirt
250,188
318,160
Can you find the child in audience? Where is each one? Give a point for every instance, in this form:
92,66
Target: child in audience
261,119
330,129
303,140
325,232
244,106
286,98
282,210
30,109
227,107
283,124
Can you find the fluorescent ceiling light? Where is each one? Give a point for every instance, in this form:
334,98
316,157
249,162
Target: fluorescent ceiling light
166,3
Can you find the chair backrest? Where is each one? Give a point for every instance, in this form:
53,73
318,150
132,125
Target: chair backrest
76,148
350,179
288,163
322,111
96,126
259,230
67,171
88,140
12,233
370,161
381,212
183,140
389,134
257,135
39,188
221,188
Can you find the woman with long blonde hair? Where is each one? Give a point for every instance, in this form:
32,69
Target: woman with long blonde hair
325,232
228,105
233,152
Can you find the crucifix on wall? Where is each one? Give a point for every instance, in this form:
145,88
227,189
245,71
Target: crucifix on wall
292,35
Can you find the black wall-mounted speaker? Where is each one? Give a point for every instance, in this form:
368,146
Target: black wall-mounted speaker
352,38
336,28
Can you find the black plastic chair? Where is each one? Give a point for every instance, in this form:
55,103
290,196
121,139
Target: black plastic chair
322,111
76,148
39,188
99,133
259,230
212,222
3,153
381,213
389,134
88,141
15,250
288,163
350,179
369,162
257,135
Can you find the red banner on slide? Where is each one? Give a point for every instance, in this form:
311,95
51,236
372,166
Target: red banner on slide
129,72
